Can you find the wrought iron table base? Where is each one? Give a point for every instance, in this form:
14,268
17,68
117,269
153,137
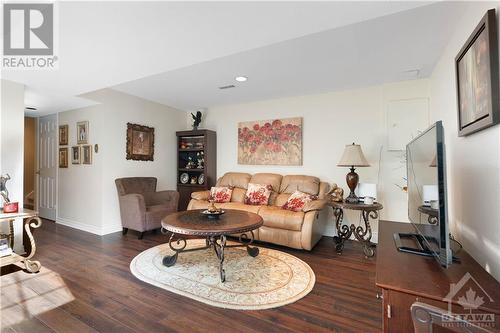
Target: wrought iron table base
363,235
218,243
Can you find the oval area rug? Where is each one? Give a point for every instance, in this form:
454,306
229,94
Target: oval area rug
271,279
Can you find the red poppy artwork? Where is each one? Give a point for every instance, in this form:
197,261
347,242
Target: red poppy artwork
270,142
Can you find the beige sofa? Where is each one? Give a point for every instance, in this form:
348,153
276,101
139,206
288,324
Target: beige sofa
299,230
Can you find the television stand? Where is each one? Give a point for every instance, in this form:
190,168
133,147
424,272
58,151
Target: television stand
422,251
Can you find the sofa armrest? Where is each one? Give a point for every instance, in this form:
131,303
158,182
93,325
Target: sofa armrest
314,205
133,211
200,195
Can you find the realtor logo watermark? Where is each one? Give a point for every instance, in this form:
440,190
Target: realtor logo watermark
469,294
29,32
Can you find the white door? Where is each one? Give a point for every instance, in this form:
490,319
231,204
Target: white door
47,166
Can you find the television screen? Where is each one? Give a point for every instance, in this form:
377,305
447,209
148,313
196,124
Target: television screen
426,172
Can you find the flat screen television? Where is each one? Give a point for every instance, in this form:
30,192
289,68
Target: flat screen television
427,204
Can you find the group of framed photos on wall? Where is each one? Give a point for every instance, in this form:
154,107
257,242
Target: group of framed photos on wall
82,152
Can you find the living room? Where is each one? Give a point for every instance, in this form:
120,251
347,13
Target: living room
116,145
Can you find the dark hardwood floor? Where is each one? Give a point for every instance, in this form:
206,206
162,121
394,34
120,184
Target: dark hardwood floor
86,286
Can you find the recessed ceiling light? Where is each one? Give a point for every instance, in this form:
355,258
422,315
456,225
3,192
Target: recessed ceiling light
30,108
241,78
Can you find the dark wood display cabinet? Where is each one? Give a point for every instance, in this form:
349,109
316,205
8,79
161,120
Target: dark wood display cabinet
196,163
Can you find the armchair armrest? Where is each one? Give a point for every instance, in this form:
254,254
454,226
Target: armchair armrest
200,195
314,205
132,211
162,197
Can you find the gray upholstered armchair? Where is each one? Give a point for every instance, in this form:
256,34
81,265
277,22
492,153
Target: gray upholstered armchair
141,207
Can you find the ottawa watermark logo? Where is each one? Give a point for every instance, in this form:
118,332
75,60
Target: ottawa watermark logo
29,32
469,294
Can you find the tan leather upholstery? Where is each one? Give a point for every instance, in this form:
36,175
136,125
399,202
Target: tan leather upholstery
235,179
238,195
314,205
201,195
239,206
306,184
281,199
299,230
276,217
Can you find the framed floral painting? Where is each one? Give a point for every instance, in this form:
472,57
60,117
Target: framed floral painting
270,142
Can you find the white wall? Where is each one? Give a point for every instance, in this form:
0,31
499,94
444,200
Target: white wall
473,162
12,147
330,121
87,193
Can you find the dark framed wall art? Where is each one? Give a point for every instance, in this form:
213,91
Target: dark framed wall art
476,67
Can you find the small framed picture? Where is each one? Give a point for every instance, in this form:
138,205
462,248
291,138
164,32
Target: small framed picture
82,132
63,135
75,155
63,157
87,154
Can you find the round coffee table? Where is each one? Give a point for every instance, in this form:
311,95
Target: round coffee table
194,223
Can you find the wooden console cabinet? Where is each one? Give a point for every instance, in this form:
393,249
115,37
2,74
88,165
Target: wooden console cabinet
406,278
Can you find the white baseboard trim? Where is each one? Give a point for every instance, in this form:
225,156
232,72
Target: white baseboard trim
78,225
109,229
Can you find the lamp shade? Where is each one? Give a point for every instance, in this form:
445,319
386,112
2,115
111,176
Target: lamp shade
353,156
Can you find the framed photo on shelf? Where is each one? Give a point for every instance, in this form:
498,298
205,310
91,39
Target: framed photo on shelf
75,155
140,142
476,67
82,132
63,157
63,135
87,154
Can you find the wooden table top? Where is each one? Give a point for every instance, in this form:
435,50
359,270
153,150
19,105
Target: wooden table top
22,213
356,206
192,222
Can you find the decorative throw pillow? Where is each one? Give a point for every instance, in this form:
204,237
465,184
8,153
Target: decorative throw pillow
298,200
258,194
221,194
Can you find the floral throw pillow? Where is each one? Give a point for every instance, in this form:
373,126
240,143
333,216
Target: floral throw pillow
258,194
298,200
221,194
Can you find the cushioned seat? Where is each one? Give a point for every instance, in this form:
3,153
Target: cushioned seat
239,206
276,217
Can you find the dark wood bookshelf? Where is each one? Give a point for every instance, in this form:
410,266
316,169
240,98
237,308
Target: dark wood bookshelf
208,141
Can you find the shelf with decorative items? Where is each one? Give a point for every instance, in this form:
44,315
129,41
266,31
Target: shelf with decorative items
196,163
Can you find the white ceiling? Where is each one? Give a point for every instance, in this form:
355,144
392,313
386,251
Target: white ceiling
178,53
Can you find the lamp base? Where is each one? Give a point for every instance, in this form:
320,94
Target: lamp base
352,179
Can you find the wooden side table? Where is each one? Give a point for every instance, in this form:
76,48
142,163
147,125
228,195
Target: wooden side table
32,266
344,232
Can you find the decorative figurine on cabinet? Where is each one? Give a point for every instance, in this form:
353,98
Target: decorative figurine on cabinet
190,164
200,160
196,120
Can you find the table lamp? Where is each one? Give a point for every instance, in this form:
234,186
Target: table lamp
352,157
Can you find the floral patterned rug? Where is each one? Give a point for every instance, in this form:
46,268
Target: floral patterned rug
271,279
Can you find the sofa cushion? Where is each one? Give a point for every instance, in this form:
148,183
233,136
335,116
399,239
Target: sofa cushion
258,194
269,178
235,179
240,206
238,195
306,184
298,200
221,194
276,217
281,199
